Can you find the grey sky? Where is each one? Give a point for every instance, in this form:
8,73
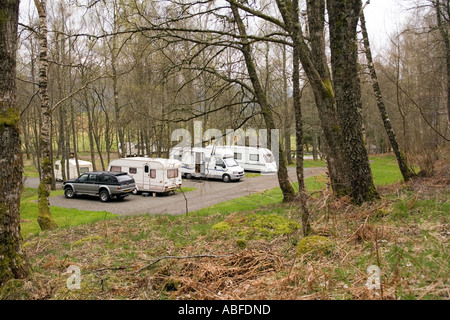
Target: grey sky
382,16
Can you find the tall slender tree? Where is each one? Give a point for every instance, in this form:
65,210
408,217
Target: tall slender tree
283,178
13,262
45,219
406,171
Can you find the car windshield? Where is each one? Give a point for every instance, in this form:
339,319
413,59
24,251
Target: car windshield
230,162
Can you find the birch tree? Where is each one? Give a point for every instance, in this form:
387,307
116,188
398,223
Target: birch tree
406,171
45,219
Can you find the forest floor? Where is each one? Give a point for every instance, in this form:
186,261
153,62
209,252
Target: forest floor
240,251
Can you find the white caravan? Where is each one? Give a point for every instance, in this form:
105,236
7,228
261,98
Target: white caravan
254,159
208,162
85,166
150,174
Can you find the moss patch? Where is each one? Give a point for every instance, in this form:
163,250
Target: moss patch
9,117
87,239
315,244
254,226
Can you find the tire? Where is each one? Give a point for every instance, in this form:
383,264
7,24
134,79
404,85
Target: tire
69,193
135,191
188,176
104,195
226,178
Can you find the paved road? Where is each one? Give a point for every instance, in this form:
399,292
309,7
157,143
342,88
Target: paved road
209,192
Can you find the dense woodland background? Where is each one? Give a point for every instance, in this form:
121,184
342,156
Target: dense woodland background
135,71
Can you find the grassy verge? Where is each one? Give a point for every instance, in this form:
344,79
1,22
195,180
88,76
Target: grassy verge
310,164
64,217
29,170
186,189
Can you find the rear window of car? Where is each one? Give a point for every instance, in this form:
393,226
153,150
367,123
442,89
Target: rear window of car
125,178
107,179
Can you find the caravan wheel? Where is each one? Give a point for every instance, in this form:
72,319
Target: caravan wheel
188,176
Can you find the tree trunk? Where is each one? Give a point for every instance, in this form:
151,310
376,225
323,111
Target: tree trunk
343,20
314,62
283,178
13,261
45,219
287,118
297,94
406,171
443,25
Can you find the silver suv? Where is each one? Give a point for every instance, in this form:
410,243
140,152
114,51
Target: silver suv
107,185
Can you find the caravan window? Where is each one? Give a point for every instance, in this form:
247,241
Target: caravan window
254,157
115,169
146,168
84,169
56,166
237,156
153,173
172,173
269,157
132,170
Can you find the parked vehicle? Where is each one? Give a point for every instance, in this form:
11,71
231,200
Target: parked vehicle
106,185
85,166
151,174
254,159
208,162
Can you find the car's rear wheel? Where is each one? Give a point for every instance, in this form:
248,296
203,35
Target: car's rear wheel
104,195
69,193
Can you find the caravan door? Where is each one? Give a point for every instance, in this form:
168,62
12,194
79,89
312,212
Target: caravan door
146,178
200,163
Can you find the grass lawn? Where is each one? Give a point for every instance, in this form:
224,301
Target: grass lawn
310,164
64,217
29,170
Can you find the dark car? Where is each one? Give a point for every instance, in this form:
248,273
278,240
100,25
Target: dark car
106,185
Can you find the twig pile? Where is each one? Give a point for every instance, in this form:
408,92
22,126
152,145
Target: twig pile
224,278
